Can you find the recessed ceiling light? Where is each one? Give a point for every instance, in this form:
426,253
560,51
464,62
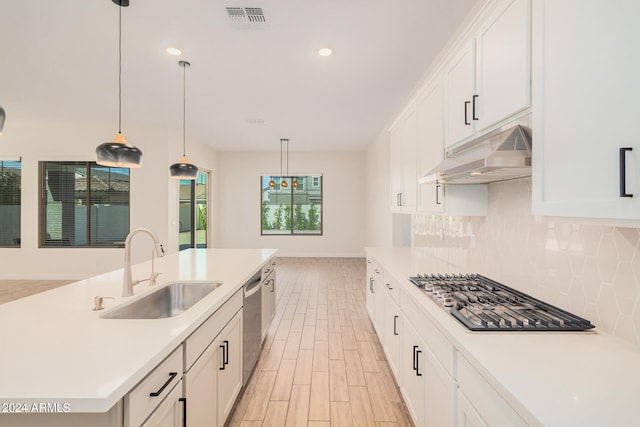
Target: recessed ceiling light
325,51
173,51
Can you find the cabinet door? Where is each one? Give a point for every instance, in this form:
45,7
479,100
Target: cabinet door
229,343
413,363
201,388
395,166
466,415
430,145
374,281
440,394
171,412
391,337
503,76
266,305
459,86
403,165
409,164
585,108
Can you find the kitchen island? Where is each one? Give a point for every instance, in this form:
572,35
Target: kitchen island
494,378
59,356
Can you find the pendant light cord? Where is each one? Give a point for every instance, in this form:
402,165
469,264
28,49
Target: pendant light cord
184,109
120,70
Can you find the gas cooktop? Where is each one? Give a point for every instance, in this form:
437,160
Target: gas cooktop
482,304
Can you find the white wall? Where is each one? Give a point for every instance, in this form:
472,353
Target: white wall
153,196
378,214
343,203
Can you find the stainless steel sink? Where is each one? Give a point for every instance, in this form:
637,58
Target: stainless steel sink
168,301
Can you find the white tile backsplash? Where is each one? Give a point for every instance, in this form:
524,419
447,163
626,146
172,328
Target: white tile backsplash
590,270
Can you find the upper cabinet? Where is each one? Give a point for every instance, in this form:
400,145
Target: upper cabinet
404,179
487,80
586,154
430,145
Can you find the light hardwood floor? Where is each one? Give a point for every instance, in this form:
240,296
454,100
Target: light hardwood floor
322,363
13,289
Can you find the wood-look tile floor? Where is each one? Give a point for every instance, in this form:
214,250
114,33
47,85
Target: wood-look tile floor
321,363
14,289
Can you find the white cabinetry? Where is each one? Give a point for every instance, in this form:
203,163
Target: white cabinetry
468,200
268,296
213,374
390,322
482,404
403,164
428,360
171,412
374,288
430,145
585,107
487,80
145,397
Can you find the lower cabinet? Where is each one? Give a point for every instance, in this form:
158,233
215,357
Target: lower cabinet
466,415
413,373
212,384
268,296
482,405
172,412
144,400
439,386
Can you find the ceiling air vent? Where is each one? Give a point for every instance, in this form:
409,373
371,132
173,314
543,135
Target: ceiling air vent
247,17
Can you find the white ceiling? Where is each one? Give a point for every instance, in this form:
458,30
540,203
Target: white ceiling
59,62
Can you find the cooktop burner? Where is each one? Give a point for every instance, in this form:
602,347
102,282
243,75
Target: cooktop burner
482,304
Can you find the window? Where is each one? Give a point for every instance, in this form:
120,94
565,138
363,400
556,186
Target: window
83,204
292,209
10,177
193,211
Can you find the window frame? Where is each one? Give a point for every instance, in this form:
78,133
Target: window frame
17,241
291,229
42,194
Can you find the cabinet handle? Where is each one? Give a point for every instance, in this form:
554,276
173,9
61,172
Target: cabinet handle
473,108
415,365
466,113
418,373
389,286
267,271
623,171
395,325
273,285
371,284
225,354
184,411
172,375
438,194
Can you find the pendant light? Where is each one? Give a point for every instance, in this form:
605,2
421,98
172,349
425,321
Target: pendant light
2,117
118,152
183,169
283,182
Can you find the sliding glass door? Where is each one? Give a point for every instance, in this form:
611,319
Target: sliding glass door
193,212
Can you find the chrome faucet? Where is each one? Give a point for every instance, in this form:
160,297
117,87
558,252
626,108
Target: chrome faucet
127,285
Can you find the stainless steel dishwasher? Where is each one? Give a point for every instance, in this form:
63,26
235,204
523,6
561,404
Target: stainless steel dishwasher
252,325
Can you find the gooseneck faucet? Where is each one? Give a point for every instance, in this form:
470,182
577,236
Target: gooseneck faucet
127,285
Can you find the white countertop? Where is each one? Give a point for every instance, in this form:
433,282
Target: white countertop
55,349
549,378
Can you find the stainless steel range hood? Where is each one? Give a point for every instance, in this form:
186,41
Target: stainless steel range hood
500,155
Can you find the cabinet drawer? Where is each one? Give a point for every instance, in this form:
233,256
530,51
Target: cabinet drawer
139,402
171,412
441,347
484,399
202,337
268,268
392,288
